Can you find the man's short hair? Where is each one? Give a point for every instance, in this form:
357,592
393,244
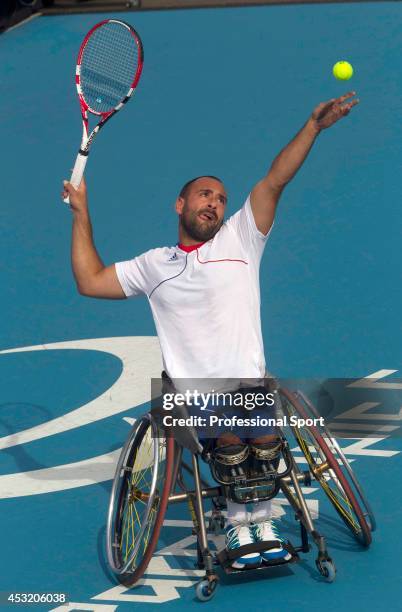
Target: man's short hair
185,188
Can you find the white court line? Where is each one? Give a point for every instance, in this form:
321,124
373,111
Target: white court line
23,22
141,359
60,477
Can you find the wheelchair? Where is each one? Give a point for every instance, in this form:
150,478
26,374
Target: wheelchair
150,475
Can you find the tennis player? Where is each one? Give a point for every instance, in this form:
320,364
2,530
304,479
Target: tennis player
204,292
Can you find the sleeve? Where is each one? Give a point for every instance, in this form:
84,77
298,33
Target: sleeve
132,276
243,224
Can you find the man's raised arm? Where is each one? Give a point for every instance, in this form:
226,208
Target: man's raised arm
93,278
266,193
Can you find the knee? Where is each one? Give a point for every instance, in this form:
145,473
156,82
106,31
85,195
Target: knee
266,449
229,461
228,438
263,439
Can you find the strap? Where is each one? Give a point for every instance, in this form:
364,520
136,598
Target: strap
226,556
235,553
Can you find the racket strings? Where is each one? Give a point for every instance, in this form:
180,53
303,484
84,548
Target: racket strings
109,64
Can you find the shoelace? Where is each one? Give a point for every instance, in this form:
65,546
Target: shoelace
234,536
272,528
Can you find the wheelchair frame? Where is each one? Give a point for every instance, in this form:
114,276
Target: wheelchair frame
326,463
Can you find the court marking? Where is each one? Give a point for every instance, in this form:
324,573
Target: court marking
141,359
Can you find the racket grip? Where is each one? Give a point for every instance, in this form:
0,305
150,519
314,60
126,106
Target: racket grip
78,173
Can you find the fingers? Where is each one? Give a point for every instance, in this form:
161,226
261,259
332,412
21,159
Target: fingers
341,109
346,108
328,113
323,108
68,187
66,192
324,105
353,103
328,104
336,102
342,99
77,196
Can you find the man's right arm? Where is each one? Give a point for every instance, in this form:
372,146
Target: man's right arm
92,277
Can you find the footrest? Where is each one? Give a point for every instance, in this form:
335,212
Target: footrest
225,557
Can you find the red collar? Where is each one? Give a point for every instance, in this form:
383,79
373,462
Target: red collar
190,248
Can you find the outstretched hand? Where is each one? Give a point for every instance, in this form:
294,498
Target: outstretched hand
328,113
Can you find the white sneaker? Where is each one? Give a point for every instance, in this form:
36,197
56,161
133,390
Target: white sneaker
239,535
267,531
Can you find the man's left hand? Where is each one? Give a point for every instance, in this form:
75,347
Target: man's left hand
328,113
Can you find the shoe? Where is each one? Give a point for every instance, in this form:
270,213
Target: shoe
239,535
267,531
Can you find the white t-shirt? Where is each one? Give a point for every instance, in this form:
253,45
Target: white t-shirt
205,303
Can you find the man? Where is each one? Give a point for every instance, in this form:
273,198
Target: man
204,292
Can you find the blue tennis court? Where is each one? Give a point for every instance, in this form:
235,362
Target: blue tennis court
223,90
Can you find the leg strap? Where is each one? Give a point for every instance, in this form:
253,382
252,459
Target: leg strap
266,451
225,557
232,454
229,463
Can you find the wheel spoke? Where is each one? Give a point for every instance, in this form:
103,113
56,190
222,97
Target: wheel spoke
327,467
139,488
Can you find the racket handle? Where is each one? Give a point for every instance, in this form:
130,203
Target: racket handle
78,173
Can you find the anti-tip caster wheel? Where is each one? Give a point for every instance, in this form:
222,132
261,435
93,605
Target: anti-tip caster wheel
205,589
326,569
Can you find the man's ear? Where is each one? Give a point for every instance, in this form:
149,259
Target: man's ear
179,205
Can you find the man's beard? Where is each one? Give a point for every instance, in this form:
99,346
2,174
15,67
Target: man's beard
198,229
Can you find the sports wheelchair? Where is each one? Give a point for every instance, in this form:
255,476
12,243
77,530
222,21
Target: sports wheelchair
150,476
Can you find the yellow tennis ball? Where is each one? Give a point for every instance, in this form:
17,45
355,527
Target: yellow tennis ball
343,71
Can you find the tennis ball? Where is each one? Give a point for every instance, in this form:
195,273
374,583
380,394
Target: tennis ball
342,71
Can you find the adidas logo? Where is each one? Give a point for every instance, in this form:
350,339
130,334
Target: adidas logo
173,257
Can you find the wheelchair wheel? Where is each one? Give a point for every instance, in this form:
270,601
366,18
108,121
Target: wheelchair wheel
342,460
139,499
327,466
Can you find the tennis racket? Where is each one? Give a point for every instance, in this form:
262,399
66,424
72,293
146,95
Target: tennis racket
109,66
